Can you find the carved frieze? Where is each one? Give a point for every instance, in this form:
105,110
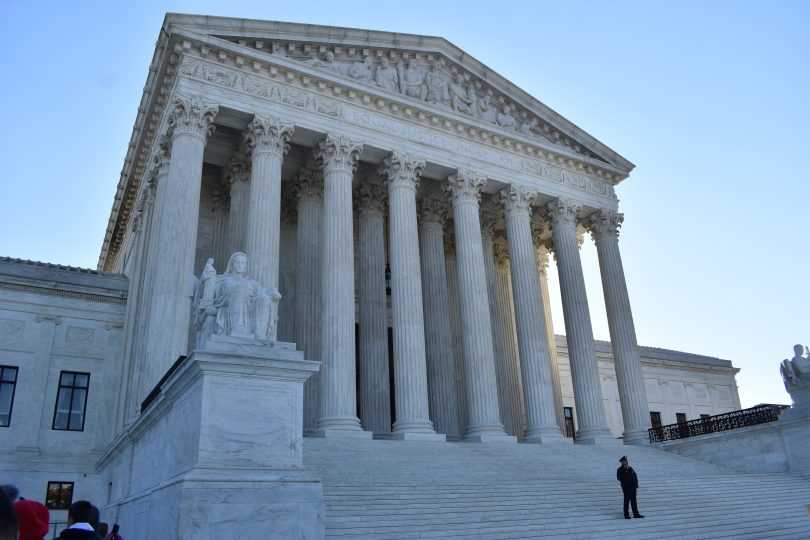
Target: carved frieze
11,327
434,81
78,334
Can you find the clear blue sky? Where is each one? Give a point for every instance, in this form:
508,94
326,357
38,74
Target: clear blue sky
708,99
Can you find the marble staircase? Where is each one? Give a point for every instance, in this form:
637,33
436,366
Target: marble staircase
412,489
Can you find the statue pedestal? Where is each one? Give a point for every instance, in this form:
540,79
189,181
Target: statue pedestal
219,454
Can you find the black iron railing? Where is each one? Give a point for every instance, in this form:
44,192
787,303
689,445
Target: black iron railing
760,414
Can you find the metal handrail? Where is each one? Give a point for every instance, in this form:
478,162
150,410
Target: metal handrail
753,416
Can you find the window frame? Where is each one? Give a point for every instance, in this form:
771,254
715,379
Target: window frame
49,505
655,419
13,389
680,418
72,388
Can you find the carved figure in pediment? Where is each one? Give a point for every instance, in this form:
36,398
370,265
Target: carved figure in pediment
437,89
484,110
387,76
505,118
362,71
412,80
327,62
528,127
460,95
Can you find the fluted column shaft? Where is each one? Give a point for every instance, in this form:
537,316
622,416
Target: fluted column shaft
604,226
510,423
410,365
590,409
170,310
542,268
375,394
512,359
438,333
267,138
338,407
239,180
309,191
479,370
538,392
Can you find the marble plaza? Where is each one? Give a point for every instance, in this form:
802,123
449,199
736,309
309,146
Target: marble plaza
326,233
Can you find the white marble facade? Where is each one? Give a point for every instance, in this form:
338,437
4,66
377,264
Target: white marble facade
405,201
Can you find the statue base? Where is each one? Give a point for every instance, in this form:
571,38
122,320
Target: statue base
219,453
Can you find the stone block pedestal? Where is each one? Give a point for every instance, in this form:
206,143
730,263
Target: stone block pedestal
219,453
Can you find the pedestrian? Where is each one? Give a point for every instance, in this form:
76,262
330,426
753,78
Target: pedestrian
627,476
80,514
34,520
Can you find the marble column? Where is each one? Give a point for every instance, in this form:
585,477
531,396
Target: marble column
459,384
309,192
542,254
408,325
484,425
267,140
288,253
238,178
538,392
438,334
191,122
338,408
510,423
375,394
604,226
590,409
514,385
141,228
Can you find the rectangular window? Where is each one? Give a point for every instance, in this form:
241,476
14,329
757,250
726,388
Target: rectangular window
655,419
702,416
680,417
59,495
71,401
8,384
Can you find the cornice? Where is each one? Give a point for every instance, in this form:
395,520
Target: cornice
180,39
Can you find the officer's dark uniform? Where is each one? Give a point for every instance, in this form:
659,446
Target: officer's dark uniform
629,480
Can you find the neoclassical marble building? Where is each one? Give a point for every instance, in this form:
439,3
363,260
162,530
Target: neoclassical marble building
406,201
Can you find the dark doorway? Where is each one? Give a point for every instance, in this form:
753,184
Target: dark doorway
570,430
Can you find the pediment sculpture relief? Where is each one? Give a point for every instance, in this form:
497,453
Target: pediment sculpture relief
796,375
432,84
234,305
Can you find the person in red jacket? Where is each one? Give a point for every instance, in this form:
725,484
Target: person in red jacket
34,519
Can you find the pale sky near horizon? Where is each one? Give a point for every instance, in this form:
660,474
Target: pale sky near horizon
708,99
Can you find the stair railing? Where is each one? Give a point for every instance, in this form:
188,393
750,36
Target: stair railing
753,416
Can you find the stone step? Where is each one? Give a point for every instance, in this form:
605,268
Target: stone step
407,489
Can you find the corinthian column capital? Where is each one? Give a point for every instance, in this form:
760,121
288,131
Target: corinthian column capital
371,198
339,153
465,186
269,135
309,182
561,212
238,173
433,211
516,200
192,116
160,159
501,256
604,224
402,170
488,224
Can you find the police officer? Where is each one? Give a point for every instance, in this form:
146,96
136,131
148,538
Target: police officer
627,476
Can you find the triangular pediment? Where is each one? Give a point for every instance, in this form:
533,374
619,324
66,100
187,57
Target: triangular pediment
428,72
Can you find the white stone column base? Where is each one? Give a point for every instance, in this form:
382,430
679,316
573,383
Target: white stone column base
601,437
415,436
491,439
546,437
639,437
